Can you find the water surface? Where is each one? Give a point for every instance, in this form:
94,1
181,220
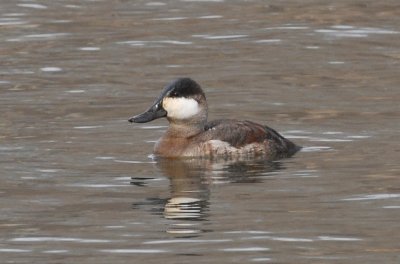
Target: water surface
77,183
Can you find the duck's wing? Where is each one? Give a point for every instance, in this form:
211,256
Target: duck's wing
240,133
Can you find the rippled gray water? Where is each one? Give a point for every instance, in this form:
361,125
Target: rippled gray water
77,184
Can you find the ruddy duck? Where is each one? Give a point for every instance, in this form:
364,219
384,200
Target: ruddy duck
189,134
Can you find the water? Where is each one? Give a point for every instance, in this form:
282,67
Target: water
77,182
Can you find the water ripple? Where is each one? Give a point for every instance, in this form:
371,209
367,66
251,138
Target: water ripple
50,69
149,42
245,249
87,127
380,196
282,239
38,37
173,241
35,6
14,250
133,251
343,31
210,17
12,21
268,41
331,238
219,37
287,27
89,48
56,251
60,239
169,18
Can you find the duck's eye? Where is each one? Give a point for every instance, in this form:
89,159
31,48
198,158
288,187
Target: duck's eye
174,94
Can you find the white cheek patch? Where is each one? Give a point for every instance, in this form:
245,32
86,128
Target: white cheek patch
180,108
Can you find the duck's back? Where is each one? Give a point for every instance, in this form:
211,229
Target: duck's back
233,138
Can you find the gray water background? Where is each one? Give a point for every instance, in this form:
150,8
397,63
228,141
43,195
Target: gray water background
77,184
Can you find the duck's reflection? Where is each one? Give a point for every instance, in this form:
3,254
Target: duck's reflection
187,207
191,180
189,189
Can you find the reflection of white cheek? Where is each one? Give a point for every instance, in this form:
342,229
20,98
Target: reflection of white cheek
180,108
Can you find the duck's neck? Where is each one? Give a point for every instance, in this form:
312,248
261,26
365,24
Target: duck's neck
184,129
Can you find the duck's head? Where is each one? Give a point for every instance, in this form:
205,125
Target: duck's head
182,101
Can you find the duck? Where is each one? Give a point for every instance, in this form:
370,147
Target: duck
189,134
